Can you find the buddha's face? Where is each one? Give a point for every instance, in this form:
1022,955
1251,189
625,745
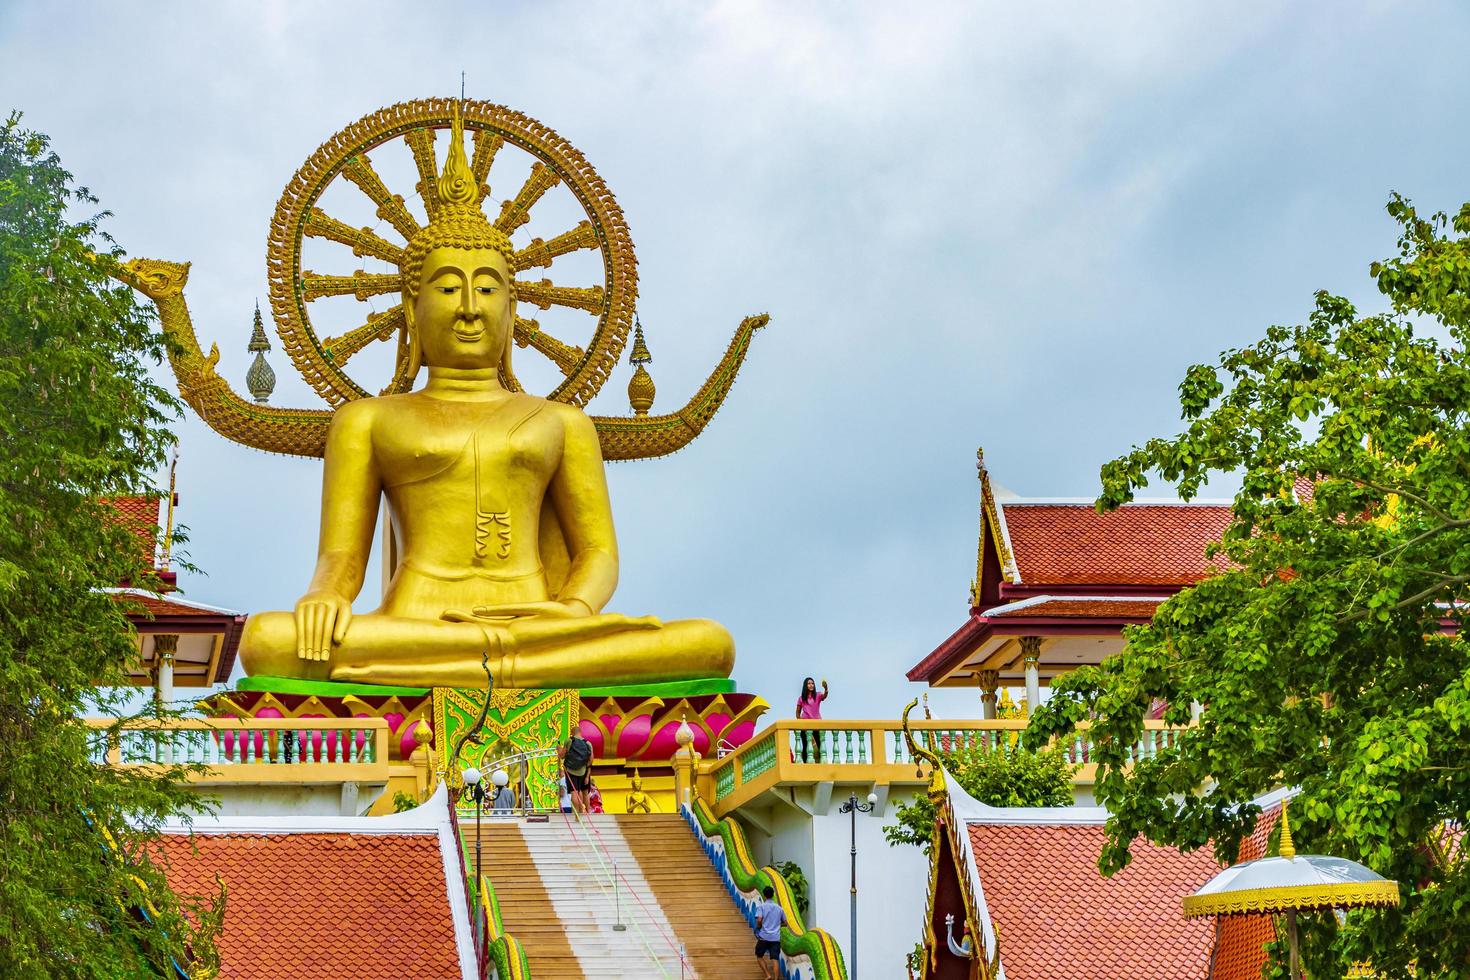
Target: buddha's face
463,312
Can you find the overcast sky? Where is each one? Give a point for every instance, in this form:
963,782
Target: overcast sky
972,224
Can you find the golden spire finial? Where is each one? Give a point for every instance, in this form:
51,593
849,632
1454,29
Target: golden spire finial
457,186
1286,848
168,526
641,390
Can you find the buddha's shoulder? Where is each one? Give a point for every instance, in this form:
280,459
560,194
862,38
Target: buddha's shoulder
356,414
567,415
573,422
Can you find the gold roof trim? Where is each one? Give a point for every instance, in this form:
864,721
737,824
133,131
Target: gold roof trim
1287,898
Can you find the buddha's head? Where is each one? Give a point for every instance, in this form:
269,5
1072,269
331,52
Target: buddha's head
458,280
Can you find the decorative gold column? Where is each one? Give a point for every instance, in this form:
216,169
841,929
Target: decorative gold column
1031,660
989,681
684,759
423,761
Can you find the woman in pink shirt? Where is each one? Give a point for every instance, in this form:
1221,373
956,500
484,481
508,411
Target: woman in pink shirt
809,705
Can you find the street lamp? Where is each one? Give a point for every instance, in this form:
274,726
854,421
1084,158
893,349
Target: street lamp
853,807
473,779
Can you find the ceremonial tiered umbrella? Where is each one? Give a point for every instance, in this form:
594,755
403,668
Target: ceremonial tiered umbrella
1290,883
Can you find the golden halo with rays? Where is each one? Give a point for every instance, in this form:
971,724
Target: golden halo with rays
322,361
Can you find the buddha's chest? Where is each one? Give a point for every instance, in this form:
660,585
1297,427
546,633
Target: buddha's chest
513,447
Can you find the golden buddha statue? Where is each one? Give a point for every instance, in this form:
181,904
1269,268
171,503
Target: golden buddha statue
498,503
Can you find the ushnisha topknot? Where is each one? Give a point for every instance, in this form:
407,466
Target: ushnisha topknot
457,222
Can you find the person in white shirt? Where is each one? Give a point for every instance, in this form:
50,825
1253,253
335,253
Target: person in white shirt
769,918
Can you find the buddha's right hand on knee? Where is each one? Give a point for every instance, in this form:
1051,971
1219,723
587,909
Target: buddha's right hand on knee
321,620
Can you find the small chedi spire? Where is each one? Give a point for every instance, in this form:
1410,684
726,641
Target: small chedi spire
260,379
640,387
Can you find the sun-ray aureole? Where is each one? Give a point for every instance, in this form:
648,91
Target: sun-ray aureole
362,241
541,253
517,211
565,356
379,326
547,294
491,128
390,206
421,142
487,144
360,284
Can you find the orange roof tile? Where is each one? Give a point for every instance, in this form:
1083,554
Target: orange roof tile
322,905
157,605
139,515
1060,919
1138,544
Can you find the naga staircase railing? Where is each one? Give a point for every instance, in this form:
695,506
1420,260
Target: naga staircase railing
503,950
808,953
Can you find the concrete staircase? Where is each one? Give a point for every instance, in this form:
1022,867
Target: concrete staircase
717,940
555,885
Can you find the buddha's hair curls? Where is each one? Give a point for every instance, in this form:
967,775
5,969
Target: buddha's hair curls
454,227
455,219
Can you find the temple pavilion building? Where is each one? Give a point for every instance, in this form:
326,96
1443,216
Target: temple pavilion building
182,643
1056,582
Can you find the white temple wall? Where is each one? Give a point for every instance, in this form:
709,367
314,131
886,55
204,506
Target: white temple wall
274,800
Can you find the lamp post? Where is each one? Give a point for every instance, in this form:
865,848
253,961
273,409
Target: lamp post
473,778
853,807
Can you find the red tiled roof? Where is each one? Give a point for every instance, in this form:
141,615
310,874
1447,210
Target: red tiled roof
1060,919
139,515
1082,609
150,612
324,905
1138,544
158,606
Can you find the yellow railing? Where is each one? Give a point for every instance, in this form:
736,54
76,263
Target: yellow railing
250,750
796,752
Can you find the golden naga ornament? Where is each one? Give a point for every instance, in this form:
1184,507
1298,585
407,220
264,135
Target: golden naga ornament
499,533
493,133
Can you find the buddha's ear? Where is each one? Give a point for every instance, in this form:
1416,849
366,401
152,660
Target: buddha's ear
415,350
507,374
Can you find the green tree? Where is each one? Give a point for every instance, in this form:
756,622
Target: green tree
992,776
1325,653
796,881
80,419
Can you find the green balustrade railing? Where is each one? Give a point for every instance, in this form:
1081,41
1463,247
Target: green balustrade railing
842,746
1006,741
223,743
759,758
725,780
806,751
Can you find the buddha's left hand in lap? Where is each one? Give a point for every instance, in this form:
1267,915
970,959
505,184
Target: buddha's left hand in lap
551,609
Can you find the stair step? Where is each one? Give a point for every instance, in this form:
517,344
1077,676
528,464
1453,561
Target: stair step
552,880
